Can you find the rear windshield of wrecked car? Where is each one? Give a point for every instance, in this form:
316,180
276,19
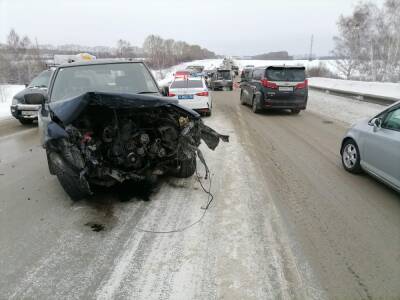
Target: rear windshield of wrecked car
286,74
182,84
131,78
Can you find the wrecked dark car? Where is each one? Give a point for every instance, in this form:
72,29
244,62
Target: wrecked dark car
106,122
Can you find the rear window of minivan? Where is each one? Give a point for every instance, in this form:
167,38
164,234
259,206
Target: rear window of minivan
285,74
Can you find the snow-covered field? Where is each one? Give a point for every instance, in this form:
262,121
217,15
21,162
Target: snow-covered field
378,89
7,92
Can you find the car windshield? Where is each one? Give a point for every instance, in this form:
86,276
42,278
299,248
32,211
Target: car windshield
224,75
181,84
286,74
42,80
131,78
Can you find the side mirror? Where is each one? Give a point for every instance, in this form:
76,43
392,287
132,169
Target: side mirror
26,85
35,98
377,123
165,91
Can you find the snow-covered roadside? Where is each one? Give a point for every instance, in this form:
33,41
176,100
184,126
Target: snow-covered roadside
7,91
330,64
379,89
339,108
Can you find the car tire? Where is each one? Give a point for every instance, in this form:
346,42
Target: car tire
186,168
351,157
295,111
25,121
254,107
76,188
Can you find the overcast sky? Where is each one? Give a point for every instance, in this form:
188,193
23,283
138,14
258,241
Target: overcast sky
230,27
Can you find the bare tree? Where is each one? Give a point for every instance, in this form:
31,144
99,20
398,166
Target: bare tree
124,49
21,61
368,45
164,53
153,47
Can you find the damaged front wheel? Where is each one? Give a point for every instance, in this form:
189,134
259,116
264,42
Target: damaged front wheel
73,185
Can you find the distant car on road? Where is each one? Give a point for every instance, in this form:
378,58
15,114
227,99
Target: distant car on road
245,73
25,109
235,69
192,92
195,68
222,79
182,73
208,74
373,145
275,87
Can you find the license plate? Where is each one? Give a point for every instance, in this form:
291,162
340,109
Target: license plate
28,113
184,97
286,89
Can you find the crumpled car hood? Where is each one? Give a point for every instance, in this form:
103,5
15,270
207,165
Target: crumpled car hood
69,110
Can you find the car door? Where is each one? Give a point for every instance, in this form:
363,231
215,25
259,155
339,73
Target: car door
245,86
214,77
381,146
255,83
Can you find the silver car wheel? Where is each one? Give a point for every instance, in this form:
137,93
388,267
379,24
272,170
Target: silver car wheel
350,156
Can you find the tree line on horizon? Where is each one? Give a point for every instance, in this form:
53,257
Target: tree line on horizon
21,59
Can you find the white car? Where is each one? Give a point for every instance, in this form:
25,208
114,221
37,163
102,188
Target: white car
192,92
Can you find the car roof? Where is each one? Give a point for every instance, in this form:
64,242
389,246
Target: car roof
98,62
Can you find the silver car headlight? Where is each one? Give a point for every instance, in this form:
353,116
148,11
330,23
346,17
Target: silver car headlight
14,101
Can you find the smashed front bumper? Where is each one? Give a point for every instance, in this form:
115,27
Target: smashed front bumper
109,138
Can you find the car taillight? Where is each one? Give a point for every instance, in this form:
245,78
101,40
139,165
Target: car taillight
171,94
302,85
202,94
268,84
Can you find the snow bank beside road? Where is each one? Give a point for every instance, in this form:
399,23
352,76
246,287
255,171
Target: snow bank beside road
372,89
7,91
339,108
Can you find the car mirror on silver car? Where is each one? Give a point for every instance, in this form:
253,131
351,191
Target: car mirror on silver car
377,123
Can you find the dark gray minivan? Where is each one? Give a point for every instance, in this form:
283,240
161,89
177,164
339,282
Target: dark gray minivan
275,87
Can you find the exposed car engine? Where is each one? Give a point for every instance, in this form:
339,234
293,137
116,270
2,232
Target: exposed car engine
106,145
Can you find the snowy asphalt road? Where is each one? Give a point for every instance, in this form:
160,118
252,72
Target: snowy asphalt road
287,222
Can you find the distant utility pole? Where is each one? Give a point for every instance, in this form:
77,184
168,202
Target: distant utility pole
310,58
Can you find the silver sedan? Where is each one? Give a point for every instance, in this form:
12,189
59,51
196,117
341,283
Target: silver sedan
373,145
